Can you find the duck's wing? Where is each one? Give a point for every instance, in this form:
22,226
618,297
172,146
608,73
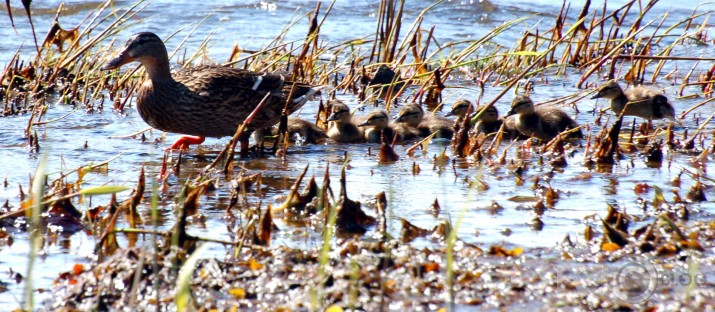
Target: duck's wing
228,83
556,120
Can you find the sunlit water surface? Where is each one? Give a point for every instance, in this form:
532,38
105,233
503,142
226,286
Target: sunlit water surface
253,24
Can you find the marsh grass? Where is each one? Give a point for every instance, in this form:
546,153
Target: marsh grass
596,43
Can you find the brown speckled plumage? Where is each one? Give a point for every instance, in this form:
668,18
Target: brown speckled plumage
544,122
299,130
644,102
207,101
342,127
414,116
380,123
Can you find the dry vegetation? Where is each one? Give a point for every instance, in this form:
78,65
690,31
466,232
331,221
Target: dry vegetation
355,273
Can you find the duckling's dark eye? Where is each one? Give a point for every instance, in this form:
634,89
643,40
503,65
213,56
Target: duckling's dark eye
410,114
521,103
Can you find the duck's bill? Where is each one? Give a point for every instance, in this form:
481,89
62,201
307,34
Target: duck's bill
596,96
448,114
364,123
333,117
121,59
672,118
510,112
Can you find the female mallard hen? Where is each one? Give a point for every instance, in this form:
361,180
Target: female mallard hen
342,129
414,116
205,101
544,123
642,102
380,125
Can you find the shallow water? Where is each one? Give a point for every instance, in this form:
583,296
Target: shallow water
251,24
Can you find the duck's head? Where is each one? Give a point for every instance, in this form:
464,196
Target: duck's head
378,119
521,105
609,90
665,110
339,112
460,108
144,47
491,114
411,115
383,75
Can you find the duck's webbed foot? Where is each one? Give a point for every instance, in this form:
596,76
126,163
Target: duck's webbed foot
184,142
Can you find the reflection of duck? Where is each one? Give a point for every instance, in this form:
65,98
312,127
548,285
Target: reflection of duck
380,124
298,130
544,122
342,129
414,116
644,102
205,101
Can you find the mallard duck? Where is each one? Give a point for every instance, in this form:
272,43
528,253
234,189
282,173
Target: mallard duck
380,123
342,129
414,116
644,102
544,123
205,101
383,79
299,130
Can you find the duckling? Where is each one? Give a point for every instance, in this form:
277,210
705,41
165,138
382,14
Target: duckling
205,101
489,121
299,130
305,131
459,109
544,123
644,102
413,116
380,124
342,129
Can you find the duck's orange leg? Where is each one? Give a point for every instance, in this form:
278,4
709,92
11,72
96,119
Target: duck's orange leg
184,142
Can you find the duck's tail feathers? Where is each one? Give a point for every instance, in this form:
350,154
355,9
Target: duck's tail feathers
299,101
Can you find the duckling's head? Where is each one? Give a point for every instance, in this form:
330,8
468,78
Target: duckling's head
609,90
491,114
665,110
460,108
378,119
339,112
410,115
521,105
144,47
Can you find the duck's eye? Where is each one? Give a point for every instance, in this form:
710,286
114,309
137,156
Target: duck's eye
520,103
